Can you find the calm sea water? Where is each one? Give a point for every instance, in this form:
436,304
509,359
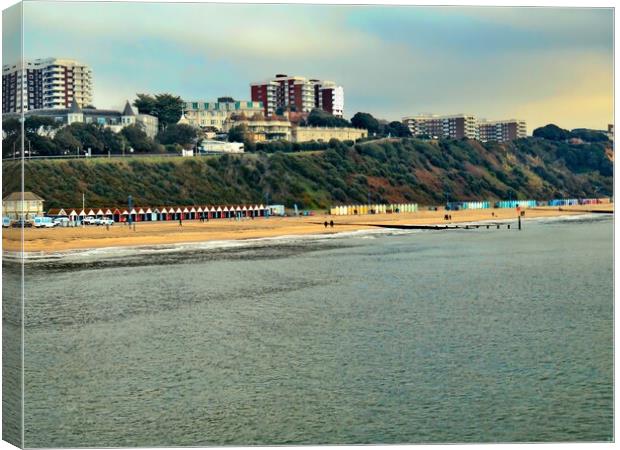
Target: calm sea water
466,336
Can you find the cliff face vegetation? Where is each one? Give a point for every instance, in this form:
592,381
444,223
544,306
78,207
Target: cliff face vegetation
389,170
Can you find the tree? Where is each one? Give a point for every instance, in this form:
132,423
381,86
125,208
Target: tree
182,134
366,121
320,118
146,104
589,135
65,141
551,132
139,141
397,129
166,107
237,133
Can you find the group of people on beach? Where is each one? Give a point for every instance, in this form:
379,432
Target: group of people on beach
331,224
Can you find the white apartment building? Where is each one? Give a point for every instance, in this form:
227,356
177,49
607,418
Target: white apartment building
455,126
502,130
215,114
331,98
45,83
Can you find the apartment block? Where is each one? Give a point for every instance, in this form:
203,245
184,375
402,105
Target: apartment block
45,83
215,114
502,130
299,94
456,126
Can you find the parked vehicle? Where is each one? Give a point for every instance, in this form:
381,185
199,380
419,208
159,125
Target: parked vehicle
6,222
61,221
106,221
44,222
21,223
89,220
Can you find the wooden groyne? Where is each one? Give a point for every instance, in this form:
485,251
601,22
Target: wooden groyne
425,227
591,211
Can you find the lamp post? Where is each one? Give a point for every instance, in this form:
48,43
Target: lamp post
129,206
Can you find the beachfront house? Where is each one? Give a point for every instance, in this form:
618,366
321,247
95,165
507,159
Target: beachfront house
27,207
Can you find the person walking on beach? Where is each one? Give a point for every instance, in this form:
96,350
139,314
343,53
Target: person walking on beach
331,223
325,224
180,222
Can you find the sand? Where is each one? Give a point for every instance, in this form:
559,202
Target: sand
156,233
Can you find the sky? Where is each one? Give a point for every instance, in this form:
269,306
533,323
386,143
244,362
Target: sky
543,65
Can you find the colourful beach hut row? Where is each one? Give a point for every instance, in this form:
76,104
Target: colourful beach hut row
162,213
516,204
563,202
392,208
456,206
594,201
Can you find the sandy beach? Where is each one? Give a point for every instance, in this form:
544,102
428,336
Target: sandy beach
157,233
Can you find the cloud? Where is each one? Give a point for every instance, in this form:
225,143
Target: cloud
392,61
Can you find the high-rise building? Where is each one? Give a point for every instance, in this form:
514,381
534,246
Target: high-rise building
501,130
299,94
456,126
460,126
45,83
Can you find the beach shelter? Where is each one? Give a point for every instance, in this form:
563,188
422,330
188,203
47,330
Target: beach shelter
163,213
210,212
225,212
57,212
186,213
124,215
200,213
244,211
116,215
192,213
261,210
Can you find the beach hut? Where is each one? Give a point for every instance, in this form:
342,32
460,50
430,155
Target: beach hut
73,215
225,212
212,212
244,211
261,210
219,211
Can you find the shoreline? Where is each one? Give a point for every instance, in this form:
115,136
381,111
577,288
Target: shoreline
159,235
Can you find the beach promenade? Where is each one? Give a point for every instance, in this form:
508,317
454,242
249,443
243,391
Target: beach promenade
158,233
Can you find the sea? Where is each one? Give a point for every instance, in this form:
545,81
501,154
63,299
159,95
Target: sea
373,337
